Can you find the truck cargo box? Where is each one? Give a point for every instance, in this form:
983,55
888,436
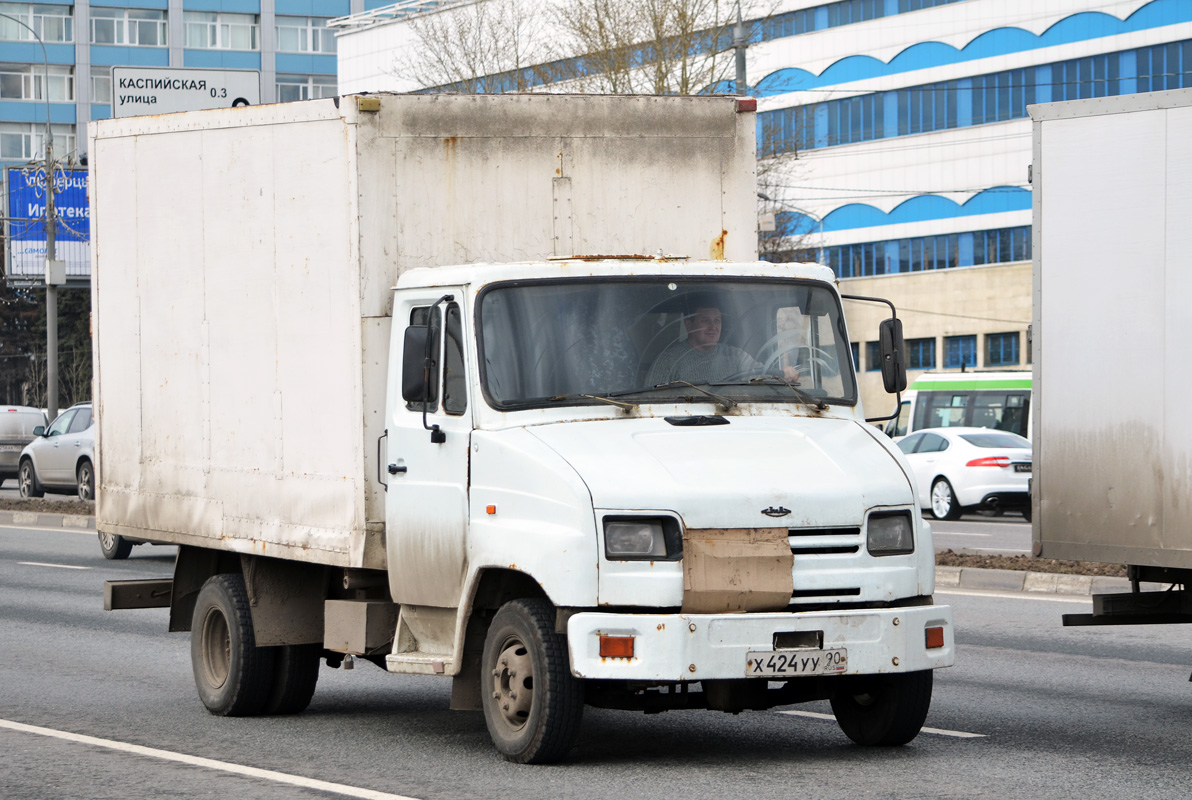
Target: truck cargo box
243,261
1113,434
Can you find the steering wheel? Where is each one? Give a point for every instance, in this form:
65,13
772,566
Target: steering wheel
771,353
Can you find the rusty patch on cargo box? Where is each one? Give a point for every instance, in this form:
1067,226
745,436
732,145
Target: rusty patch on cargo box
737,570
717,249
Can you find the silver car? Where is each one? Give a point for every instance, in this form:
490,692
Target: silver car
17,424
62,458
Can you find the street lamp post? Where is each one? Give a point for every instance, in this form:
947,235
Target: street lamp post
51,225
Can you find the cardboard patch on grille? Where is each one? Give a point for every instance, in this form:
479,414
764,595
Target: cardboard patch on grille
736,570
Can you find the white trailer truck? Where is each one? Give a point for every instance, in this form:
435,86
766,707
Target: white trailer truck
1112,378
531,472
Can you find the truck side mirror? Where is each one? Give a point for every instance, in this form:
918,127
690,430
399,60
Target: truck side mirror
416,385
892,349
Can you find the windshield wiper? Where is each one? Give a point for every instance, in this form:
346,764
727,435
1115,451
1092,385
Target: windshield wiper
721,400
808,400
618,403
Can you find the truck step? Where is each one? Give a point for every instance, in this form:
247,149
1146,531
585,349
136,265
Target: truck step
421,663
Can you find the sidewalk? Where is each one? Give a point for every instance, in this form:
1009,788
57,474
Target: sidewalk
998,580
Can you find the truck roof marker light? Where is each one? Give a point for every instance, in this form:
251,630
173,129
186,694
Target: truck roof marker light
935,638
490,509
991,461
616,646
746,104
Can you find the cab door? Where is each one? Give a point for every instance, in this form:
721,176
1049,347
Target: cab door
426,512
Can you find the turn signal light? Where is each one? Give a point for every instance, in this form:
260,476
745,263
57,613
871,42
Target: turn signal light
616,647
991,461
935,638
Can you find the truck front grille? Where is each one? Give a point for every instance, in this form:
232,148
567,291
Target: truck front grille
824,541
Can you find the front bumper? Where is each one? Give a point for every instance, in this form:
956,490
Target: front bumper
693,647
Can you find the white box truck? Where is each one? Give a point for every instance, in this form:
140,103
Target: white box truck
493,388
1113,436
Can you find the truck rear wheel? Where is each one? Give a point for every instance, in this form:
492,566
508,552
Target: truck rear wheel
883,710
532,704
295,675
232,674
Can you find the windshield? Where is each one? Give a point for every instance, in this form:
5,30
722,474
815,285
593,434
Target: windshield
645,341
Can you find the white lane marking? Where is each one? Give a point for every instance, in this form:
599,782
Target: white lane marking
56,566
1020,596
936,731
956,533
209,763
64,529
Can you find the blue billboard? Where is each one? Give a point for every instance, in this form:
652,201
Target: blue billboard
27,230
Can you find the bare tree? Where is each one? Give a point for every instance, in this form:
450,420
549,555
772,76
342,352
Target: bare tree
649,46
488,47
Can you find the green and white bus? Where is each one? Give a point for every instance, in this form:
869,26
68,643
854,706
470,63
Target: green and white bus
999,400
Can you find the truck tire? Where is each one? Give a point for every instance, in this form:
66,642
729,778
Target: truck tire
232,674
113,546
295,674
943,500
883,710
533,705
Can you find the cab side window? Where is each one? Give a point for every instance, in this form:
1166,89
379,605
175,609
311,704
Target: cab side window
455,395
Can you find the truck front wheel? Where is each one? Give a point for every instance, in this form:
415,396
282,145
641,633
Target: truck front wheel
532,704
232,674
883,710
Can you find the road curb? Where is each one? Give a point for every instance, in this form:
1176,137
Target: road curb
40,520
1005,580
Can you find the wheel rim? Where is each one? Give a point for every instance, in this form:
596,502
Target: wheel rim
217,648
513,684
941,498
107,541
26,480
85,492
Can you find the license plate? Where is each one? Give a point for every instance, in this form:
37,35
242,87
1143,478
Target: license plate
795,662
1022,467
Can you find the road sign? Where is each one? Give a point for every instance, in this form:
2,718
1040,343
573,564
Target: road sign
161,90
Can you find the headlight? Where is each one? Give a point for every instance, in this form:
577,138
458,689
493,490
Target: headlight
890,534
642,540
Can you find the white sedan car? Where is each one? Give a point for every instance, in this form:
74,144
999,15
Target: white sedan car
957,469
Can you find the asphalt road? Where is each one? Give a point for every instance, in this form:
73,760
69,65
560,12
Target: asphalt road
1057,713
1008,535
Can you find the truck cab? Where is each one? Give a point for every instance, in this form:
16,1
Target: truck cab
565,460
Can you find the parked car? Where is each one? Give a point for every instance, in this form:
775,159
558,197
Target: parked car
959,469
61,458
17,424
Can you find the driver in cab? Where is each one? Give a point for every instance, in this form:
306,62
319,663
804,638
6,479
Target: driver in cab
700,357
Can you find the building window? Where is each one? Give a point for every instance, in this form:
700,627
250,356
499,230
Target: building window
856,348
304,35
101,89
21,141
873,356
139,27
978,100
864,259
1001,349
920,353
216,30
960,351
52,23
305,87
27,82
